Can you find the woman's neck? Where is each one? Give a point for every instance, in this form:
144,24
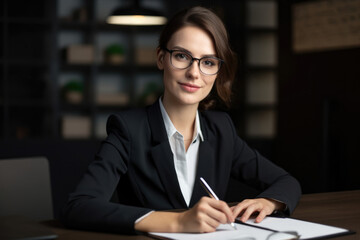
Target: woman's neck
182,116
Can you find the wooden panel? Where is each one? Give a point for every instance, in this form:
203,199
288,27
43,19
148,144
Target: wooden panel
323,25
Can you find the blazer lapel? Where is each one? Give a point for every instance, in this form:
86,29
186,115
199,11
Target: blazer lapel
206,166
205,169
163,157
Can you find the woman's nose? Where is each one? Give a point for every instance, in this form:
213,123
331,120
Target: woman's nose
193,71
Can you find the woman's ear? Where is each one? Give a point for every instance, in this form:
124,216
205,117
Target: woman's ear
160,54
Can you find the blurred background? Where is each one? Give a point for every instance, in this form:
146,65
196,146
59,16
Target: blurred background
64,69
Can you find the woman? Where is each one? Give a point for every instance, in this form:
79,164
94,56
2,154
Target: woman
153,157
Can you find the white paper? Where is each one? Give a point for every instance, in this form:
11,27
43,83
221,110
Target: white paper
223,232
305,229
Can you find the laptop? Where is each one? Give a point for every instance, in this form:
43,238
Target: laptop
22,228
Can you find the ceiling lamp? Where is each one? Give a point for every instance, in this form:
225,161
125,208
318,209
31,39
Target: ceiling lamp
136,15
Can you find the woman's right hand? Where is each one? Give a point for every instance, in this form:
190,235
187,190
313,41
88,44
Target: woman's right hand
205,216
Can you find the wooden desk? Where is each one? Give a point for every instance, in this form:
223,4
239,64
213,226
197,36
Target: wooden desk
341,209
68,234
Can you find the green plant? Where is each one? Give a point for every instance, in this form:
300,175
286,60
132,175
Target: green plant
74,86
115,49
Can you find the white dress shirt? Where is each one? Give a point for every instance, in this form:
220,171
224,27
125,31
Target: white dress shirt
185,162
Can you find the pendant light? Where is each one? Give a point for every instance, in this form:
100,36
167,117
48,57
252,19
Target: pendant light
136,15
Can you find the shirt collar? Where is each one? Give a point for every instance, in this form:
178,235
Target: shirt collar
170,128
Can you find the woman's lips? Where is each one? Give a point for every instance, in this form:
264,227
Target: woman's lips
189,87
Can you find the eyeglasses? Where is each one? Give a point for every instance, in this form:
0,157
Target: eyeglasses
181,59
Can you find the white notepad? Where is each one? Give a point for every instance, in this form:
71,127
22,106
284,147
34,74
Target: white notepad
306,230
252,231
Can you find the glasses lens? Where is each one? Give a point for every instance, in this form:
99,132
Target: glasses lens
210,65
180,59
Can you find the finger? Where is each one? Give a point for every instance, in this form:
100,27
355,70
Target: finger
214,209
225,209
238,212
207,226
239,209
202,222
217,215
261,216
206,223
248,212
221,212
212,223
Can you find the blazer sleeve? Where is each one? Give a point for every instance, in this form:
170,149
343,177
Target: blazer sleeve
251,167
89,206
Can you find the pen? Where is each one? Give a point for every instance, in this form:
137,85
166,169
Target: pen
212,194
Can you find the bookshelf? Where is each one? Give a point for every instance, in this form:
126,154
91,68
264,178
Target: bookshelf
54,93
109,83
260,73
56,81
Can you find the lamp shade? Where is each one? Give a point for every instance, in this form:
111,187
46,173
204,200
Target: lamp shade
136,16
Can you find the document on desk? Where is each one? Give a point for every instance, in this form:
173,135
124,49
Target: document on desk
223,232
306,230
270,226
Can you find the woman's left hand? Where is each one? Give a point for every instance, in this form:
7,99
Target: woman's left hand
263,206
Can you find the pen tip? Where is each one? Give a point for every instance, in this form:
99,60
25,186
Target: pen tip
233,225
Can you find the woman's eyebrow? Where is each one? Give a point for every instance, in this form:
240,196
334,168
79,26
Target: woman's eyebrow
182,49
189,52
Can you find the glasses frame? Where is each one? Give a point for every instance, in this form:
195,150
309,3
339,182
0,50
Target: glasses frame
192,61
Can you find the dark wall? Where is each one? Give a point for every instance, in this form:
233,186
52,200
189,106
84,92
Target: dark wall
319,113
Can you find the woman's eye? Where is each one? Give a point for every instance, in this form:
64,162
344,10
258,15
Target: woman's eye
181,56
209,63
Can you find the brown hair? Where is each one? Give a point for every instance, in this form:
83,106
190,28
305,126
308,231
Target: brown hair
208,21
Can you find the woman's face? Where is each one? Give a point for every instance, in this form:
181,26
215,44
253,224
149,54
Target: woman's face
187,86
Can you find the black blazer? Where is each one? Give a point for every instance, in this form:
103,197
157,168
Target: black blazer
136,162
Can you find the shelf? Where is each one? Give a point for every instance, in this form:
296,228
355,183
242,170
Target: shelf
112,108
115,68
260,72
76,67
123,68
126,67
34,70
81,107
261,123
73,25
102,26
